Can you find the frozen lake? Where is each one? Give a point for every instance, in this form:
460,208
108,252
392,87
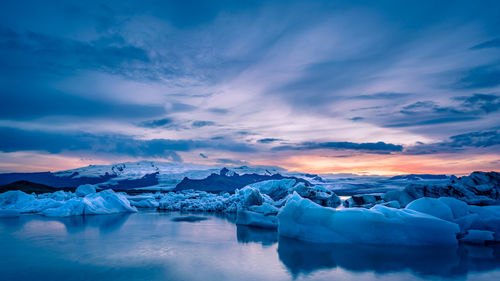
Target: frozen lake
168,246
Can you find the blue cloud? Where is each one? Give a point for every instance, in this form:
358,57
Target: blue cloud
24,140
494,43
199,124
424,113
269,140
369,147
22,104
381,96
231,161
457,143
486,76
63,56
156,123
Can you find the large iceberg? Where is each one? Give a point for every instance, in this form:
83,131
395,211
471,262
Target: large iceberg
107,202
63,204
84,190
305,220
478,224
260,202
479,188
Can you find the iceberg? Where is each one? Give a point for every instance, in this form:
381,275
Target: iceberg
257,219
15,199
479,188
63,204
84,190
475,236
433,207
259,203
363,200
72,207
107,202
305,220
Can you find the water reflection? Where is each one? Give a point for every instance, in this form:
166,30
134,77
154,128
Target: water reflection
456,261
151,246
248,234
73,224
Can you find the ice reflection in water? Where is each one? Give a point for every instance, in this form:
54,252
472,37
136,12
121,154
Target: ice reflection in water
151,246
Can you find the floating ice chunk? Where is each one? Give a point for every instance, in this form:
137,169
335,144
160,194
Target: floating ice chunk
392,204
198,201
72,207
59,195
475,236
433,207
304,220
15,199
458,208
145,203
466,222
84,190
276,189
317,194
363,200
265,209
488,219
250,196
245,217
107,202
398,195
36,206
479,188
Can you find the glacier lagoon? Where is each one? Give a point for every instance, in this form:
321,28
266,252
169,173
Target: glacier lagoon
152,245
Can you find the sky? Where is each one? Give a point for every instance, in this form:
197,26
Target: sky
364,87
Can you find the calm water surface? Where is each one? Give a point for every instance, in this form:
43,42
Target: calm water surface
163,246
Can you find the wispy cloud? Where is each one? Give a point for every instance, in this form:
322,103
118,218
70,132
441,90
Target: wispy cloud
493,43
368,147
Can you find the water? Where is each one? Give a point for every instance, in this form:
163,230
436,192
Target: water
163,246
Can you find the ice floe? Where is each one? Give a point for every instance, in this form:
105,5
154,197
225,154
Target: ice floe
305,220
479,188
63,204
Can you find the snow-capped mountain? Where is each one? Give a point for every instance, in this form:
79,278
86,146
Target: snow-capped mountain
167,175
141,174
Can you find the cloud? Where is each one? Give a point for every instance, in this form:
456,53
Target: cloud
368,147
424,113
53,142
231,161
156,123
486,103
269,140
62,55
476,139
381,96
199,124
55,103
457,143
485,76
218,110
493,43
180,107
